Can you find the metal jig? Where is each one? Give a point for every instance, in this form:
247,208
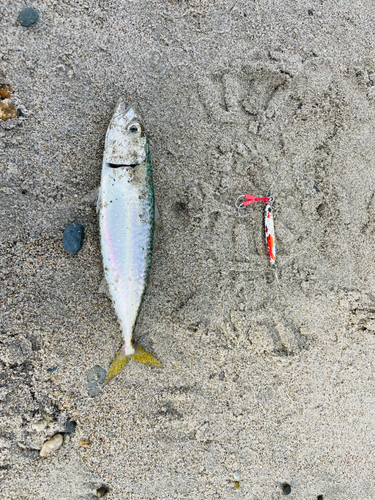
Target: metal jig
248,199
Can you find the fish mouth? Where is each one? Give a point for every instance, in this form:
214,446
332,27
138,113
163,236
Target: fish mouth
115,165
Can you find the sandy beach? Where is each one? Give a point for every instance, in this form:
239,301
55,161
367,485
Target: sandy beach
267,388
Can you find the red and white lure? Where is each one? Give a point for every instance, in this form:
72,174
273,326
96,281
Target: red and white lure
248,199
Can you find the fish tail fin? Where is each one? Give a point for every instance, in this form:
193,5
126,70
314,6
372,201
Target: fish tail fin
145,357
117,365
122,359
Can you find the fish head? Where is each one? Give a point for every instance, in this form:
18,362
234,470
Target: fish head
125,142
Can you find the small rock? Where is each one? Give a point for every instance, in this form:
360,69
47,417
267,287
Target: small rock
66,439
286,489
73,237
27,17
5,91
70,426
95,380
102,491
51,370
17,352
52,445
7,110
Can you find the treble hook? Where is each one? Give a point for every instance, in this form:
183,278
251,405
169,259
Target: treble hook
240,206
248,200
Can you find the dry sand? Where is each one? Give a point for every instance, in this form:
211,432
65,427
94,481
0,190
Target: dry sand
264,382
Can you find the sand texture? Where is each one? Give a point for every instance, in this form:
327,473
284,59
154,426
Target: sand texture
264,382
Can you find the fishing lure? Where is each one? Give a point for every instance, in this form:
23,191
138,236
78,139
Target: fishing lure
126,214
270,231
248,199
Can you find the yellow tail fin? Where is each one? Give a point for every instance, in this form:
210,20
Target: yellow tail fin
122,359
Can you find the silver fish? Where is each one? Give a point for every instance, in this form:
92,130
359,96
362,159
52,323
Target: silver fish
126,211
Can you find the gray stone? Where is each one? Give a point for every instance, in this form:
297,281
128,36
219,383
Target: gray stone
73,237
27,17
16,352
95,380
70,426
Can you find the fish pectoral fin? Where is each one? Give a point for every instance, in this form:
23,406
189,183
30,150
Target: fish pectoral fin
98,199
104,288
122,359
145,357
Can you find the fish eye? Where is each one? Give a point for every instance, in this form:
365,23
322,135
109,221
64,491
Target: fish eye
135,128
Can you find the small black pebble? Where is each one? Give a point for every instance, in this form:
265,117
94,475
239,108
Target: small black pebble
319,497
20,112
310,12
51,370
73,237
245,15
286,489
102,491
70,426
28,17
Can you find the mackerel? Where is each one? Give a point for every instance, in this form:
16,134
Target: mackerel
126,212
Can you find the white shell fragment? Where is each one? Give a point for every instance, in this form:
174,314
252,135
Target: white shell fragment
237,475
51,445
39,426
